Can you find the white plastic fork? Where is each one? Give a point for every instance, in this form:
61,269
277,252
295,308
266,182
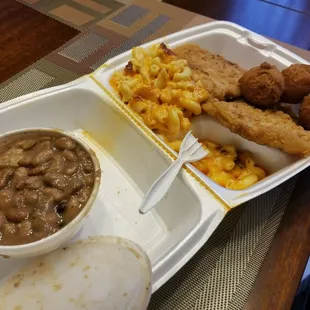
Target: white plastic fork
190,151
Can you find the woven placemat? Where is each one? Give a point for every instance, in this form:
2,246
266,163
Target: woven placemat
221,275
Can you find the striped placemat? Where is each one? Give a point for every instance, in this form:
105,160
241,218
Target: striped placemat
221,275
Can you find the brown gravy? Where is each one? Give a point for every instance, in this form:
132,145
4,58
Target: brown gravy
45,180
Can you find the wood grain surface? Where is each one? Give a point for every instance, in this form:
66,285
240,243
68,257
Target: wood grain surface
26,36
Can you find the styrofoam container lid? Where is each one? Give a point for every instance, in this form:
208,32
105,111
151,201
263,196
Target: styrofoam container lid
101,272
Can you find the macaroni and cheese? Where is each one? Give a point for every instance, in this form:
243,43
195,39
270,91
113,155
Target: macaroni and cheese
159,88
229,168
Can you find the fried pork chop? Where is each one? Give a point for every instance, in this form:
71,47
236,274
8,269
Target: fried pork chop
219,76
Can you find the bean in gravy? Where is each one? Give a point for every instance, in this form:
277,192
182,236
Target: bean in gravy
45,180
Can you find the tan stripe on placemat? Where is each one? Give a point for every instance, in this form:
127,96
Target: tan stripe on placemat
72,15
93,5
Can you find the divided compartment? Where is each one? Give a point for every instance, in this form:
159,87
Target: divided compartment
247,49
130,162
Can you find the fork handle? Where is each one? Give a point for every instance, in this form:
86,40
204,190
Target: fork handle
160,187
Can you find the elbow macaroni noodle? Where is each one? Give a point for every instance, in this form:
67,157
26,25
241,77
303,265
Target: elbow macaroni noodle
229,168
159,88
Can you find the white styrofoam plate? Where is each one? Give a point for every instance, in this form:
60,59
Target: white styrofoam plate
247,49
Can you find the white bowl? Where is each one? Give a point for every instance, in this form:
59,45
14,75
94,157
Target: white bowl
59,238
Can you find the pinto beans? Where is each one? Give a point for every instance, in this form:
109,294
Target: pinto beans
45,181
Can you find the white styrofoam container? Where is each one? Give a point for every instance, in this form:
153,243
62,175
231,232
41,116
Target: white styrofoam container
132,157
130,162
247,49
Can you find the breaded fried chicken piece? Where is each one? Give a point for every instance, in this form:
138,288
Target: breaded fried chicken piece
219,76
275,129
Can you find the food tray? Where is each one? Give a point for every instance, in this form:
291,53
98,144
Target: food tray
132,157
247,49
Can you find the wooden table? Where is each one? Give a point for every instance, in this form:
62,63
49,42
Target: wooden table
27,36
